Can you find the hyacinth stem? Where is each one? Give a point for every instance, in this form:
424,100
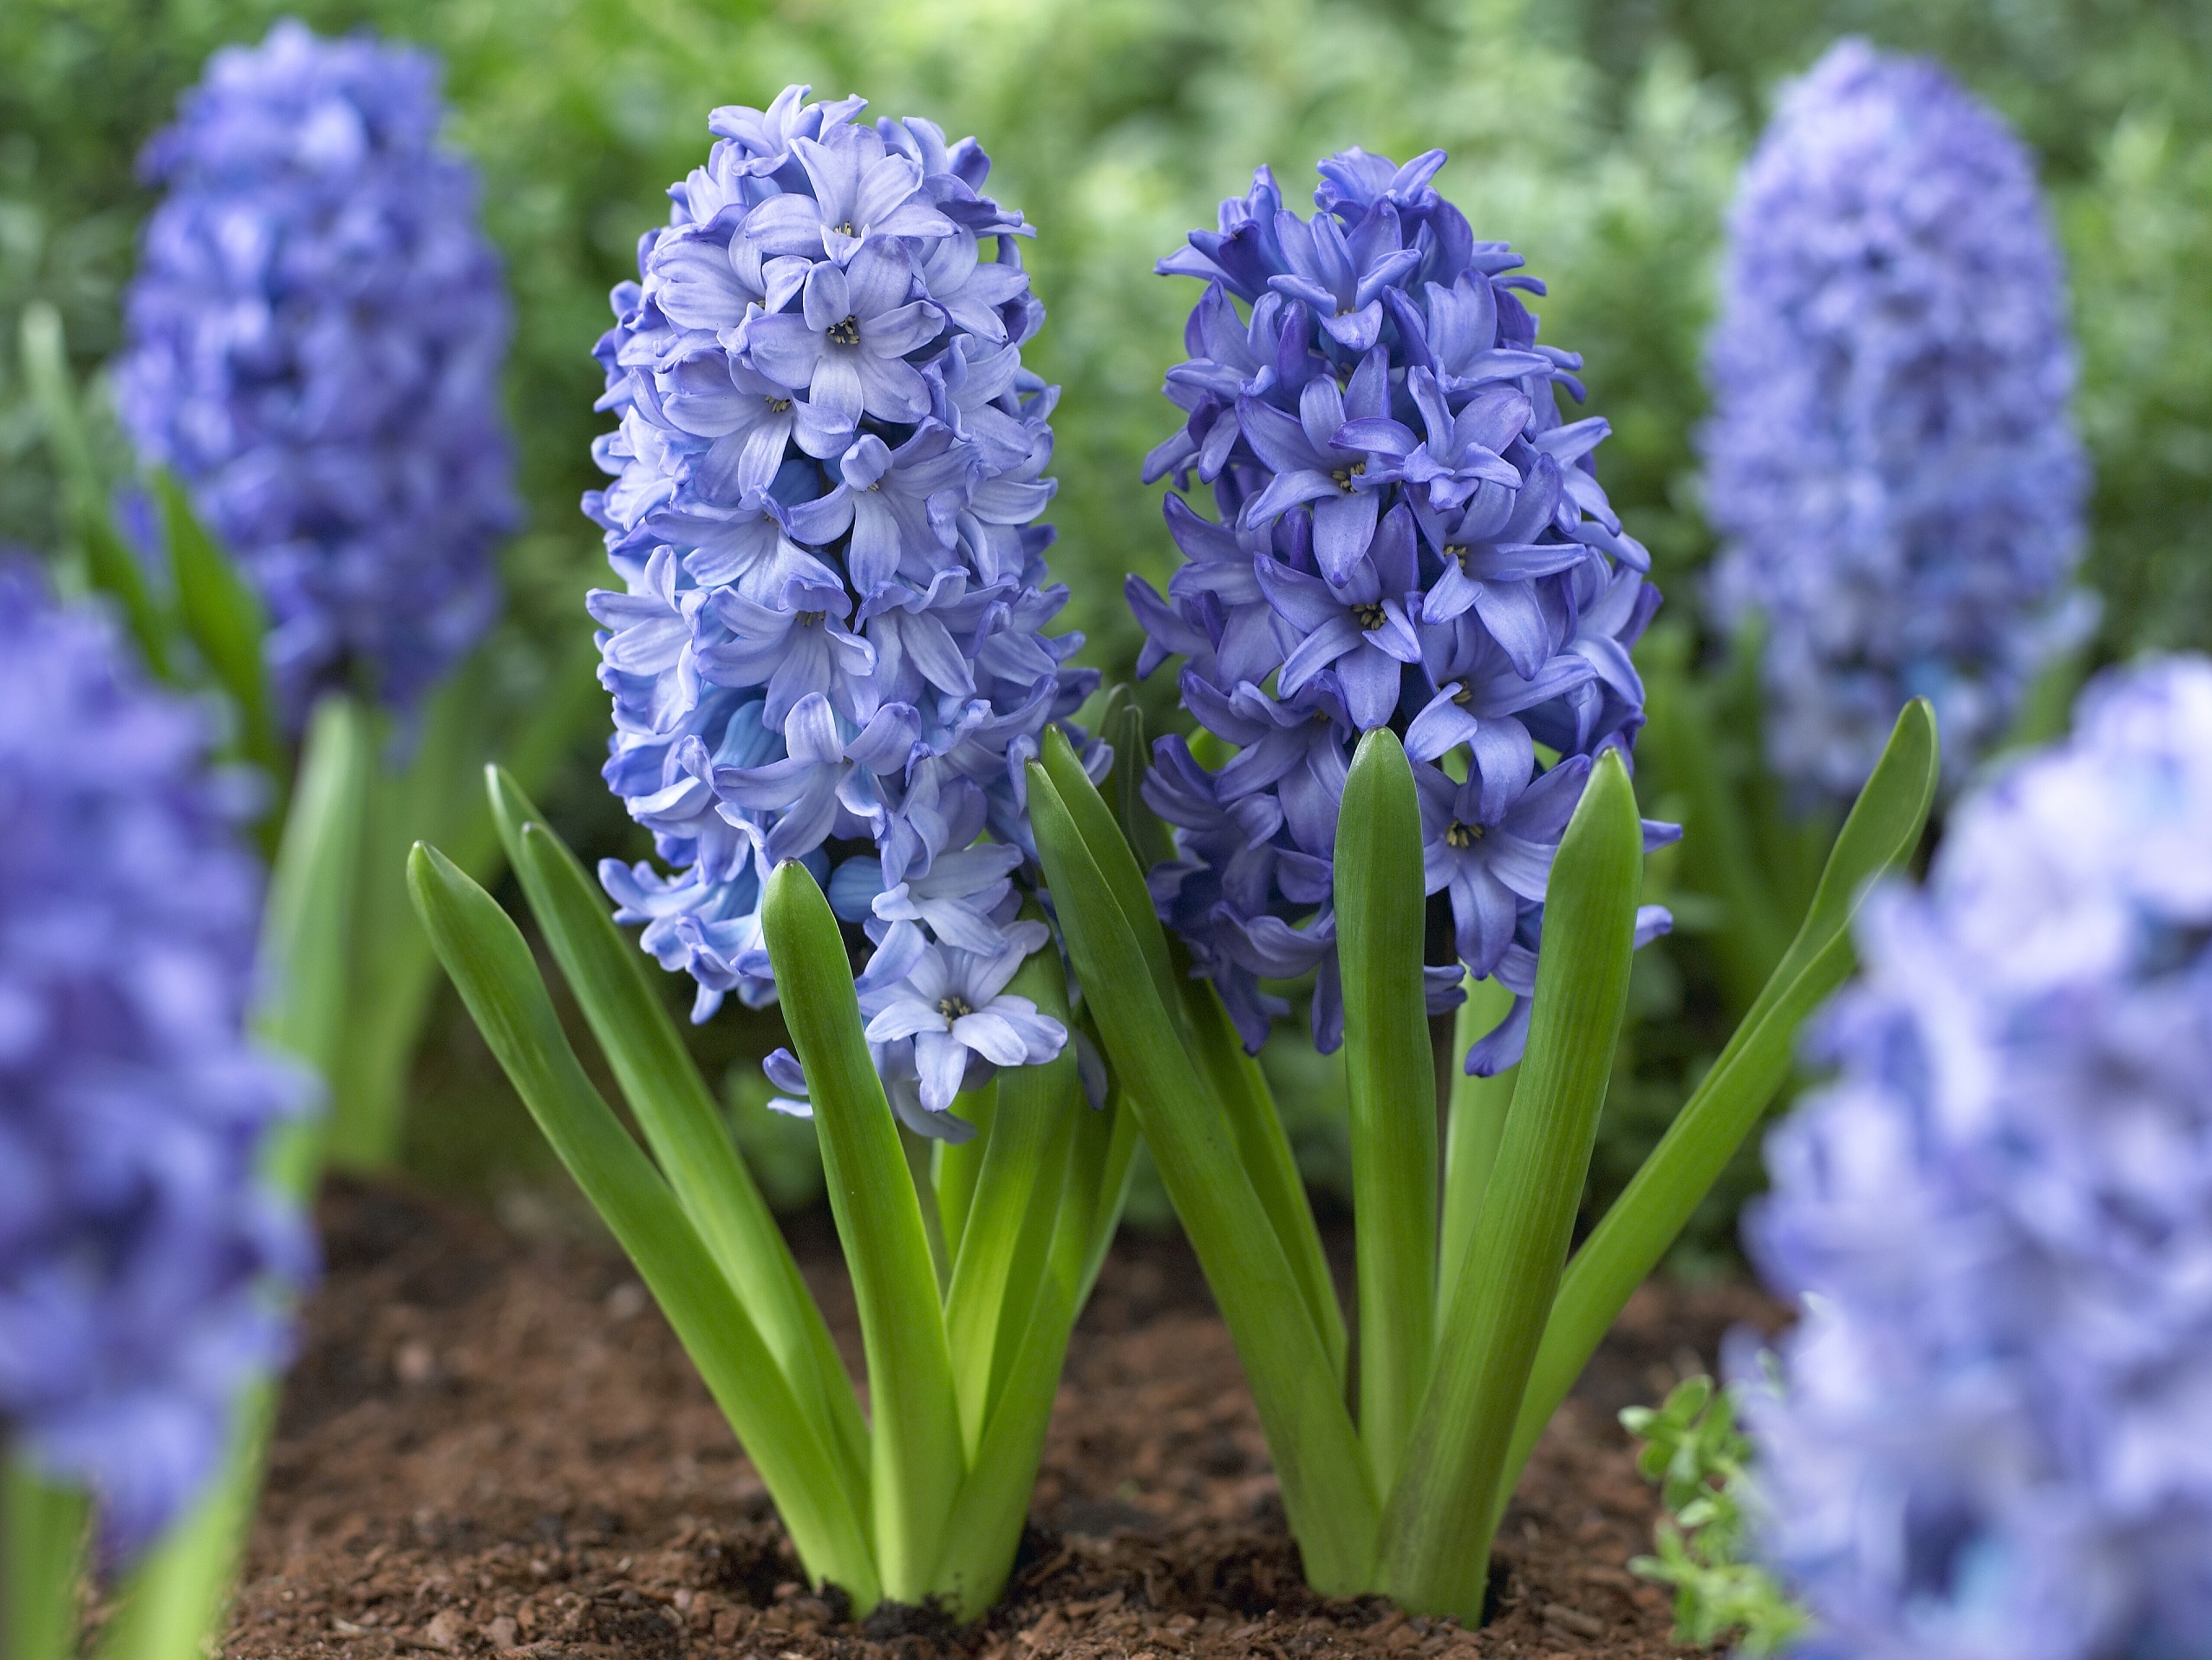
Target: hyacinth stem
491,966
681,1121
1024,1164
1478,1109
1380,917
918,1466
1434,1556
1326,1489
1879,837
1264,1150
42,1528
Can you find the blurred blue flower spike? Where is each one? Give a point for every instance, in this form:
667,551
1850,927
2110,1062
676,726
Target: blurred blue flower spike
139,1244
1989,1433
316,335
830,643
1409,535
1890,464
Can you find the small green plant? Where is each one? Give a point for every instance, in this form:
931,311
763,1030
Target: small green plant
1693,1450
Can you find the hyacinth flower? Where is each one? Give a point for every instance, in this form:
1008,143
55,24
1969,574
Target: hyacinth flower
1405,628
315,337
1889,465
832,677
151,1148
1986,1432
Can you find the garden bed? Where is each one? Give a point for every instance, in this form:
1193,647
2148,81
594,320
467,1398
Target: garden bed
492,1443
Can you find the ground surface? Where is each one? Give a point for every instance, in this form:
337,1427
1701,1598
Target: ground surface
492,1443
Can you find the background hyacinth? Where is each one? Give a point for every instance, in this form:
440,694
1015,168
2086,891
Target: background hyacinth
1407,534
831,643
136,1241
1992,1436
316,333
1890,464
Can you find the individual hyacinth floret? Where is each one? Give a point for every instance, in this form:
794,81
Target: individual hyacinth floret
1890,463
1407,534
830,646
138,1246
316,335
1991,1430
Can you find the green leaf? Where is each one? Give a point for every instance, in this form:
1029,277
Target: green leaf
1196,1013
680,1122
43,1528
307,924
224,618
1437,1525
110,565
1478,1109
438,797
918,1460
491,966
1880,836
1024,1163
1326,1489
1381,915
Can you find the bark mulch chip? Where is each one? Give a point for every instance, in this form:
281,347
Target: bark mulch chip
493,1446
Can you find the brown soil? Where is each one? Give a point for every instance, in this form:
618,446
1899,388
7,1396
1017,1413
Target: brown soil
492,1443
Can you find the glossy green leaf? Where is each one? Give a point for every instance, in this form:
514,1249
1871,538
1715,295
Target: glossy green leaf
1434,1556
1326,1489
1381,915
492,967
1196,1016
681,1121
1880,836
918,1462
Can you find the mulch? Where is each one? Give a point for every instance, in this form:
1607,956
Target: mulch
494,1445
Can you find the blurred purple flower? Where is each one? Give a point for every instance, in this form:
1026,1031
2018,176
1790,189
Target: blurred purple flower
316,335
139,1250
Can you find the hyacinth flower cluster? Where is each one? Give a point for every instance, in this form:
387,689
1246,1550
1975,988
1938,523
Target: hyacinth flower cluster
831,643
833,694
1989,1430
1890,463
139,1243
1406,633
1408,534
315,334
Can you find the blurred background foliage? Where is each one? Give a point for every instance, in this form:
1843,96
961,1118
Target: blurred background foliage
1601,137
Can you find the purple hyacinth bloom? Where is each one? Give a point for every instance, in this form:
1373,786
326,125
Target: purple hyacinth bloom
1407,534
316,335
1990,1430
1890,463
139,1246
830,643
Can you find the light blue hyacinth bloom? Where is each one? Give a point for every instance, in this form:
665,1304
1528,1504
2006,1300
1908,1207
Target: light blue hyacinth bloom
830,645
139,1246
1992,1434
1889,462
